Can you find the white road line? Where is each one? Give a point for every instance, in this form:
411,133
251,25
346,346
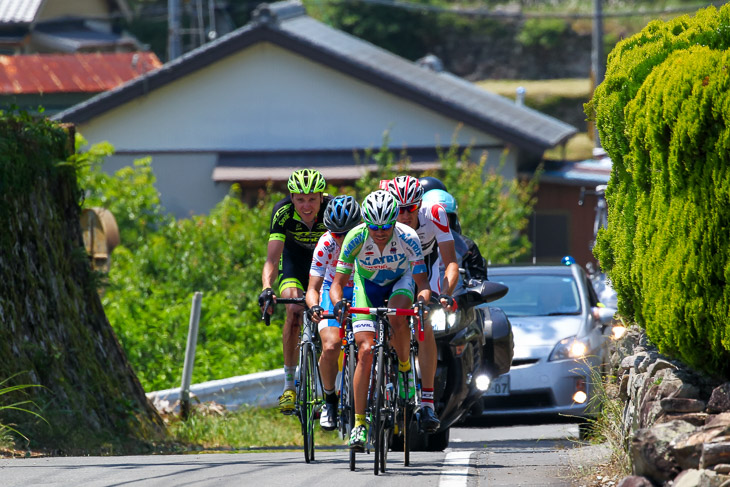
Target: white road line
456,469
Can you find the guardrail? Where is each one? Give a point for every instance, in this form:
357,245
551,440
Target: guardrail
261,389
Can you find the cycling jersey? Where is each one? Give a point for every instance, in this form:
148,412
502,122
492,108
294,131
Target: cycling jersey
433,228
299,242
361,253
380,275
324,263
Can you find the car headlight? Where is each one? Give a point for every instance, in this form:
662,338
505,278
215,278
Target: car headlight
569,348
441,321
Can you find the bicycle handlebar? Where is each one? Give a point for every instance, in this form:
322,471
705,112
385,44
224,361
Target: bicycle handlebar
387,311
266,317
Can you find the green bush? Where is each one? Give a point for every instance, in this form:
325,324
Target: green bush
662,113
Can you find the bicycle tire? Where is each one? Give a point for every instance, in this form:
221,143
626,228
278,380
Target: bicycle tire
347,400
390,406
379,405
410,405
308,399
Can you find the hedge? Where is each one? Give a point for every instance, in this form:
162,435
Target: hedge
662,114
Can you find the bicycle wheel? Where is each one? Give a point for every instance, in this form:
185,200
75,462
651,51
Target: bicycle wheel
347,399
307,399
378,407
390,406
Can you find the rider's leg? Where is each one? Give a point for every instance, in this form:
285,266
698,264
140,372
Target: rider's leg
290,333
364,340
401,334
427,357
328,361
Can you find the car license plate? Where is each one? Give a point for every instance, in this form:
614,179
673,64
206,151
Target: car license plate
499,386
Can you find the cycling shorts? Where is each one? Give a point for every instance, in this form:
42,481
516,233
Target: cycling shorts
370,295
326,302
294,268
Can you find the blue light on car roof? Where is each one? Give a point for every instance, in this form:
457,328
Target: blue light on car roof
568,260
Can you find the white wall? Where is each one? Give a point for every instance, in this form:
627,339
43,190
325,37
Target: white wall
268,98
183,181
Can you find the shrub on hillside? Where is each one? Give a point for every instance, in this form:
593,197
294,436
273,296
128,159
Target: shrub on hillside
663,113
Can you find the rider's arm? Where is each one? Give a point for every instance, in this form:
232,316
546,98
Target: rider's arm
447,251
337,285
271,266
424,291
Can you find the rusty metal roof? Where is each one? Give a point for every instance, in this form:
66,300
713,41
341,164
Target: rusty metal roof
72,73
18,11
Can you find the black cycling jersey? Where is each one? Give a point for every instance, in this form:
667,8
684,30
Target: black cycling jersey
299,241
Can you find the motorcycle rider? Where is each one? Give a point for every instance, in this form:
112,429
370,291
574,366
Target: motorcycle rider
470,258
432,226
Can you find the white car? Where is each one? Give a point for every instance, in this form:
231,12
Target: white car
560,333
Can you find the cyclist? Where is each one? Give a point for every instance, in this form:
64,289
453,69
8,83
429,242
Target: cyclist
467,250
341,215
432,226
386,261
296,226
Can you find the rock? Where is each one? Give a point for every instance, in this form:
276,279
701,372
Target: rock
658,365
651,357
635,481
624,387
719,399
681,405
697,419
697,478
715,453
650,450
722,468
632,362
722,420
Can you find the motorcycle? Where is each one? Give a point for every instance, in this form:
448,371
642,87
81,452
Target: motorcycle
474,345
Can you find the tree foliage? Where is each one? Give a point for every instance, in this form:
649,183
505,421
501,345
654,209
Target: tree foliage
663,113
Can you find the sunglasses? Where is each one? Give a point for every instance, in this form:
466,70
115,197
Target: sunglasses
338,234
408,208
387,226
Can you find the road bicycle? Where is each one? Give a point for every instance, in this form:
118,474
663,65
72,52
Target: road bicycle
308,383
384,403
346,404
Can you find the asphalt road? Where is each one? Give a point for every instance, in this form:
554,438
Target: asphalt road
533,455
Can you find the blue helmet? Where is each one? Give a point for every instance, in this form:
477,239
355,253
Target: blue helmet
442,197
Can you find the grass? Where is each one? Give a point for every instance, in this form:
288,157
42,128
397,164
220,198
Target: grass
212,427
578,148
540,89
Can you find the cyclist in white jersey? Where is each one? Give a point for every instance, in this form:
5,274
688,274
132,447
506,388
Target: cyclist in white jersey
386,260
341,215
431,223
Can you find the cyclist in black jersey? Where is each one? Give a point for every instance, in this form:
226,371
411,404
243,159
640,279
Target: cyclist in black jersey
296,225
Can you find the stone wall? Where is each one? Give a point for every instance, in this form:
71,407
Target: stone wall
676,421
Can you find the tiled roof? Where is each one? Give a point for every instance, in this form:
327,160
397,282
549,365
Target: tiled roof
18,11
72,73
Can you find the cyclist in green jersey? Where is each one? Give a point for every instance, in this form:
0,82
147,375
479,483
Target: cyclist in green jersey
296,225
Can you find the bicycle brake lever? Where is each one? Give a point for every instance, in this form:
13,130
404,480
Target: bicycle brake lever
265,316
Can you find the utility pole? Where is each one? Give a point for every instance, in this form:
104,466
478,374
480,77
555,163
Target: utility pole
597,70
174,43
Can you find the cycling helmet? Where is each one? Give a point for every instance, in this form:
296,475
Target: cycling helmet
379,208
442,197
342,214
306,181
429,183
405,189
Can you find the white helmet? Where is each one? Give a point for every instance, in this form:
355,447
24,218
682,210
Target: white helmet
406,190
379,208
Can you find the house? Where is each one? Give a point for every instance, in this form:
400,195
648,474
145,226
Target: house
58,81
46,26
569,212
288,91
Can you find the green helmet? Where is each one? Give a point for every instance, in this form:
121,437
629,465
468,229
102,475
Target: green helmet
306,181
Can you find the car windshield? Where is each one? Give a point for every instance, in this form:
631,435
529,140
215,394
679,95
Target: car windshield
538,295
